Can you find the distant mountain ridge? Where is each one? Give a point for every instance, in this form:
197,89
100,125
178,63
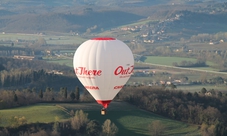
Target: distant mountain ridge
86,15
81,2
99,2
61,22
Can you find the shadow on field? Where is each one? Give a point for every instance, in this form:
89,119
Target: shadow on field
122,114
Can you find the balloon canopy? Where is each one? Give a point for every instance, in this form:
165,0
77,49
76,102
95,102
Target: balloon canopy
103,65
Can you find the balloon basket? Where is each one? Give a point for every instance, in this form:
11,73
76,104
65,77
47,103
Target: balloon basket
103,111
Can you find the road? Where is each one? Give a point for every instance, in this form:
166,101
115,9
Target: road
191,69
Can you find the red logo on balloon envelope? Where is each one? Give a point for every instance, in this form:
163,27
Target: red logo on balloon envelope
118,87
82,72
123,72
92,87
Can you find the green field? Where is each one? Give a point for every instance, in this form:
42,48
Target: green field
62,40
61,61
129,119
66,39
35,113
198,88
170,60
166,60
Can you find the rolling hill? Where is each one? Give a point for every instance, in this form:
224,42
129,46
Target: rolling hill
84,15
61,22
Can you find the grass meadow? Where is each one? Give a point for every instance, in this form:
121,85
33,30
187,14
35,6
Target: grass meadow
61,61
129,119
198,88
35,113
66,39
160,60
168,61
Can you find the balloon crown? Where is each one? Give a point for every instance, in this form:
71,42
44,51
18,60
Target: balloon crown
103,38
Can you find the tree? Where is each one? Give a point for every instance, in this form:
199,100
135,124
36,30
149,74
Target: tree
156,128
41,94
56,127
79,121
72,96
4,132
175,64
219,94
93,128
88,30
203,90
195,95
49,94
17,121
72,113
77,94
208,130
109,128
220,129
65,93
40,42
86,96
173,86
211,115
1,67
0,120
15,98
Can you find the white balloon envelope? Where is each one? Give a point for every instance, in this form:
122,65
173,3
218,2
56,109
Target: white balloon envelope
103,65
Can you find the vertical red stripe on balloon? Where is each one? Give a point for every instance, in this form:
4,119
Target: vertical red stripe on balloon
104,103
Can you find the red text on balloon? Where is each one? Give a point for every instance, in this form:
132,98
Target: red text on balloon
118,87
92,87
84,71
123,71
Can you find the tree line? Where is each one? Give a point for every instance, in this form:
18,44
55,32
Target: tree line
28,96
15,73
29,77
11,50
184,63
196,108
10,63
205,37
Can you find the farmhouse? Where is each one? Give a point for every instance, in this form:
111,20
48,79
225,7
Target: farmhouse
56,72
27,57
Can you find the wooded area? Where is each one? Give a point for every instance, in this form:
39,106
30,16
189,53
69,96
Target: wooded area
195,108
208,112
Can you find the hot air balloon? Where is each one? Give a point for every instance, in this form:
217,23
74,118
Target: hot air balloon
103,65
